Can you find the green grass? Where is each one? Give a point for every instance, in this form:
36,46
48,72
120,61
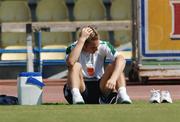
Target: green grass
157,63
139,111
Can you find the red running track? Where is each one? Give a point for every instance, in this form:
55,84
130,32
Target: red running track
53,91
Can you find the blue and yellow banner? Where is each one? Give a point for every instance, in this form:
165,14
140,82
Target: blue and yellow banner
160,29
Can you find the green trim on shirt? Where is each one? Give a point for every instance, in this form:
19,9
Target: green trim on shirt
113,51
68,50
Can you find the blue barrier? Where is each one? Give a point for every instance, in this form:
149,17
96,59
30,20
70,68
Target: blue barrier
37,51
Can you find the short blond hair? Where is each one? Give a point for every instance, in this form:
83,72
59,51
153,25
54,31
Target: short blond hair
93,36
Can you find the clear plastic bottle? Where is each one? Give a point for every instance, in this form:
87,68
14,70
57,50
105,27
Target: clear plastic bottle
90,66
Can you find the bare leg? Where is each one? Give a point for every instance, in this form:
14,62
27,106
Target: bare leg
108,72
75,77
121,82
122,96
76,83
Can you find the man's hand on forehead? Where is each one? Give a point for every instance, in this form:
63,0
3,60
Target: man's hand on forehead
86,31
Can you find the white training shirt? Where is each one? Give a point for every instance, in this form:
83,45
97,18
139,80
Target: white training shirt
95,60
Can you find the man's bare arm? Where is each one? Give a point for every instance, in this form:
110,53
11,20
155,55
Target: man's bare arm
120,63
75,53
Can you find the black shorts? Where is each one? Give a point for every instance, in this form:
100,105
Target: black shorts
91,94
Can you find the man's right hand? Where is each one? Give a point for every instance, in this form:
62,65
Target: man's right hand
85,33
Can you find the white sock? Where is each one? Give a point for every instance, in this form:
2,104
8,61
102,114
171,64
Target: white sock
122,91
75,91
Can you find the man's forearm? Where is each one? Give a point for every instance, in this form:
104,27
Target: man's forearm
74,55
119,67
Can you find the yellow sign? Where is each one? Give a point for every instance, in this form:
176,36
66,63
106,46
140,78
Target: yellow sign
161,26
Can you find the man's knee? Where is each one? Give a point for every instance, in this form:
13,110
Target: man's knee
77,66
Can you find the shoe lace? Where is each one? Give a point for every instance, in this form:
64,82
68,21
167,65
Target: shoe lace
165,94
154,92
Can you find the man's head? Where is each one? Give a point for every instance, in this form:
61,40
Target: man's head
92,42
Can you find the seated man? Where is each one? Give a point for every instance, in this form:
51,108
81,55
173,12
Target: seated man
85,59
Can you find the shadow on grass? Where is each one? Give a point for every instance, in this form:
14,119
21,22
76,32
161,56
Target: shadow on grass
55,104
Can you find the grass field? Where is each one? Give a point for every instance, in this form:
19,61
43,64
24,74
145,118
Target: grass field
139,111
